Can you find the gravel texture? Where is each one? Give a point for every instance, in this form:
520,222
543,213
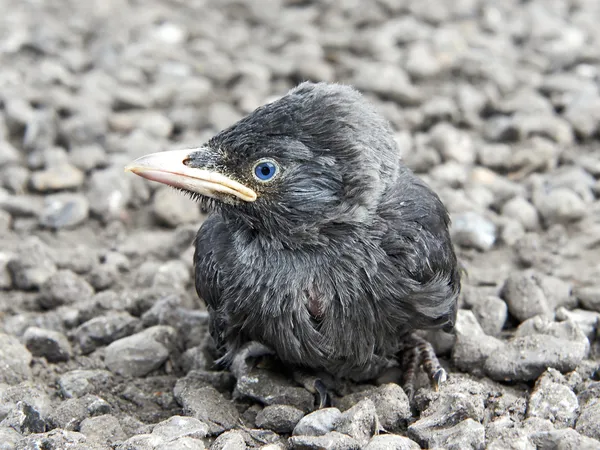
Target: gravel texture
102,340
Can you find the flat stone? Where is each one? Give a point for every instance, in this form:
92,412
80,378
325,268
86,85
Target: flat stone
271,388
329,441
207,405
141,353
279,418
391,442
318,423
57,178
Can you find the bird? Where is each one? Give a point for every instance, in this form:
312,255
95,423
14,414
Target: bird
321,247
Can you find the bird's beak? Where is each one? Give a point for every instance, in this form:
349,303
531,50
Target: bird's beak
170,168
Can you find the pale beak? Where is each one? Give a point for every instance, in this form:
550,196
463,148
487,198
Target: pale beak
169,168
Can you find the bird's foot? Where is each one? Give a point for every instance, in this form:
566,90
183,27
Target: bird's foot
242,363
419,352
315,386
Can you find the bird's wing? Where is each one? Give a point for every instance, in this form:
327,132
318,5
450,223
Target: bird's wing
417,240
211,236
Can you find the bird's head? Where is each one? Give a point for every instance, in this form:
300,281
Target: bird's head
319,155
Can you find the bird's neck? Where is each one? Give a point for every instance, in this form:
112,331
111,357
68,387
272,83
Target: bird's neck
301,236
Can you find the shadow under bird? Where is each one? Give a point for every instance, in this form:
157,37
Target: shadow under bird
321,248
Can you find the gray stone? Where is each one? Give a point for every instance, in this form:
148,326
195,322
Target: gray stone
52,345
527,356
467,434
64,211
105,429
230,440
103,277
141,442
15,178
473,230
24,407
491,313
391,404
452,144
173,208
564,439
589,297
5,278
523,211
108,193
64,288
494,156
207,405
14,360
221,115
103,330
587,321
194,358
9,438
57,178
450,173
32,265
279,418
329,441
391,442
552,399
69,414
318,423
360,422
57,439
177,427
271,388
525,297
78,383
388,80
473,346
141,353
421,62
560,205
583,113
589,415
87,157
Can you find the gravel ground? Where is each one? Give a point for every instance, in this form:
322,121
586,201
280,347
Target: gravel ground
102,341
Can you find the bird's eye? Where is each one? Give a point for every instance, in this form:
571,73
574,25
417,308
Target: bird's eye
265,170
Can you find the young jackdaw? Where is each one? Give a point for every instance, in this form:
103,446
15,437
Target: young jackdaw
321,247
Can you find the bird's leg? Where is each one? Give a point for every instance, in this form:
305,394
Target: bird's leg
419,352
240,365
315,386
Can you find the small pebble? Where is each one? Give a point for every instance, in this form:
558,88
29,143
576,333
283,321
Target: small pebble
52,345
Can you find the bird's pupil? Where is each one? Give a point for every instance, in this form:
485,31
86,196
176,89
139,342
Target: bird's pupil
265,170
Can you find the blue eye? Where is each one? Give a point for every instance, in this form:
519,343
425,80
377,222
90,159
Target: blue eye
265,170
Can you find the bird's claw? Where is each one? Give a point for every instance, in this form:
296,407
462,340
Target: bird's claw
323,398
438,378
419,352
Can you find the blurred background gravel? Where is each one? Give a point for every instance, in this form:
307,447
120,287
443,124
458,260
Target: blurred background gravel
495,104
